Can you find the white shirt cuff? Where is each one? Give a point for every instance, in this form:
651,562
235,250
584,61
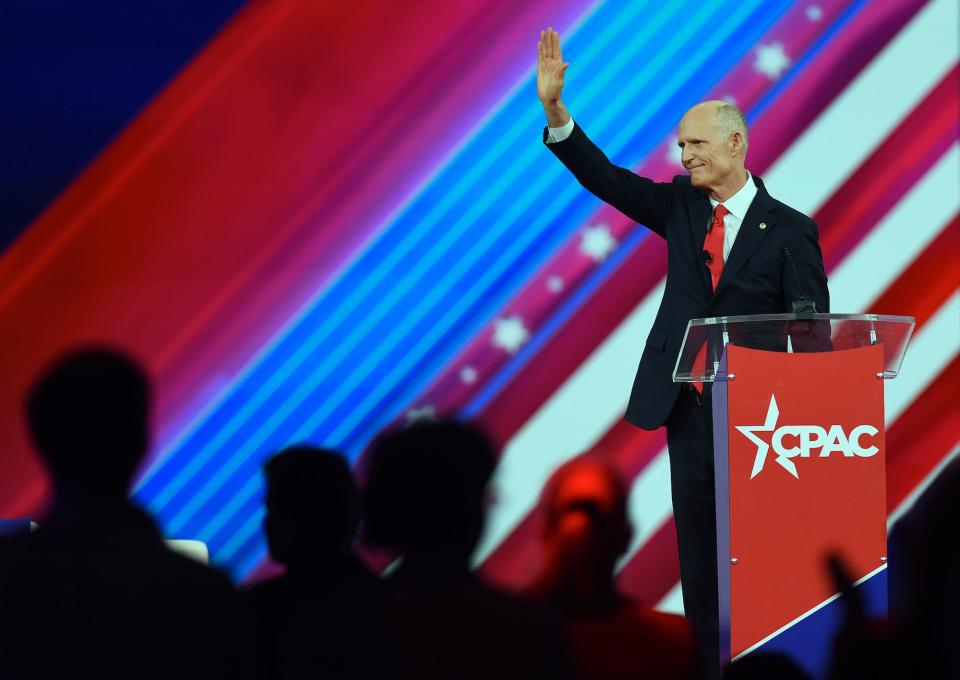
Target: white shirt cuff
558,134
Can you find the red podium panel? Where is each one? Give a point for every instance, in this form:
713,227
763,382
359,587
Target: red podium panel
799,448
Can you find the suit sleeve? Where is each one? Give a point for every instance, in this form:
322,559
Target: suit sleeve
639,198
808,336
810,274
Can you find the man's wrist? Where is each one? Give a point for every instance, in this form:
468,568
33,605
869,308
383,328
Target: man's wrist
557,115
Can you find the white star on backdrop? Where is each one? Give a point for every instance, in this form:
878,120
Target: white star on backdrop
555,284
597,242
509,334
772,60
468,374
730,99
424,413
814,13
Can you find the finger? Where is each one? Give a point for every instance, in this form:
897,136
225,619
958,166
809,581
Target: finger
540,48
548,43
556,46
563,69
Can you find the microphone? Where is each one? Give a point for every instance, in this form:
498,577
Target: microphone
803,306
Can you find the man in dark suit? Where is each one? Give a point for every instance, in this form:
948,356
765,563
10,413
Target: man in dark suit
731,249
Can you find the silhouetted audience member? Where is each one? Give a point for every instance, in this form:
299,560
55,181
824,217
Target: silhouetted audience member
324,617
94,592
426,492
919,640
586,531
765,666
864,648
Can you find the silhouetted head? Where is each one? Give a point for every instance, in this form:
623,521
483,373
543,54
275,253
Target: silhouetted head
313,506
426,488
586,528
88,418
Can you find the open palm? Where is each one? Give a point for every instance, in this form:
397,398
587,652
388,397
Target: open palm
550,66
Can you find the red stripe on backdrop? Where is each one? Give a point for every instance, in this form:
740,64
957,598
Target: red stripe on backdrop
923,434
875,187
650,579
243,187
928,281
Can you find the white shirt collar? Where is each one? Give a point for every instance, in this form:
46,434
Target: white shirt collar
739,203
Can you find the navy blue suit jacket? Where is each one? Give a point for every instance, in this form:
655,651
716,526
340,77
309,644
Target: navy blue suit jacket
757,276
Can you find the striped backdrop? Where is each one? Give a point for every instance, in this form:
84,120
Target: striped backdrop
338,218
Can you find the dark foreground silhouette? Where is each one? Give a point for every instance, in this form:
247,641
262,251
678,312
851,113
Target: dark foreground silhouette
325,616
586,530
94,592
425,497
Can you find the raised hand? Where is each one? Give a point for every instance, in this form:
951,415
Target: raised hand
550,68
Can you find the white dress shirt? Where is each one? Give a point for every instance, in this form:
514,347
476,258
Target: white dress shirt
738,204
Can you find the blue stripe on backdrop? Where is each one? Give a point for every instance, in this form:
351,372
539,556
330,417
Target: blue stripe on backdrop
224,504
429,341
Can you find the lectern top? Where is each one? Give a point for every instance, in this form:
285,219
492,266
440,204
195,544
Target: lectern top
699,357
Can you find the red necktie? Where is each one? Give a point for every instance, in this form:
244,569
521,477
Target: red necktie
712,244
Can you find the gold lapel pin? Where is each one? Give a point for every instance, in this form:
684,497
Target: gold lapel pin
763,225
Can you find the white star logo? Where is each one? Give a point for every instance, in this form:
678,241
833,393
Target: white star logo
772,60
468,374
509,334
422,414
597,242
769,425
814,13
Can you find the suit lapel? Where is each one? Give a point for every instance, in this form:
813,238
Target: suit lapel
700,212
750,234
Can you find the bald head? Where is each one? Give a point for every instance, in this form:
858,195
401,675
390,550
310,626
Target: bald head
728,117
713,138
